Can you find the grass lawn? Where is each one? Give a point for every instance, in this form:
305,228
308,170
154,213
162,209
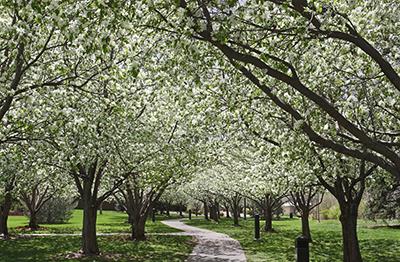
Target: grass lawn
108,222
113,248
377,245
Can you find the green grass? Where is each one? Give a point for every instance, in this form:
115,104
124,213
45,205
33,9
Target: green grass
108,222
113,248
380,244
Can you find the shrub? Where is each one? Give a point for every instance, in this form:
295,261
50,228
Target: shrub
56,210
332,213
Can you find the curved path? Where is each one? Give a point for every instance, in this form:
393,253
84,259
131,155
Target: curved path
211,246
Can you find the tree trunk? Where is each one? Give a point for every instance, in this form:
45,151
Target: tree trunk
235,219
130,218
89,239
348,219
268,219
227,213
33,224
180,211
235,211
244,209
213,212
205,210
4,212
138,228
305,226
101,209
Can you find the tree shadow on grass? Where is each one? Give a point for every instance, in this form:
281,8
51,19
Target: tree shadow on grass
115,248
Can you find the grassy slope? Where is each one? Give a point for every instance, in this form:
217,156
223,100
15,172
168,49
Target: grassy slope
115,248
381,244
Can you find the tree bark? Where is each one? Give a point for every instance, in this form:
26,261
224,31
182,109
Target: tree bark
244,209
236,210
101,209
305,226
348,219
130,218
33,224
227,212
268,218
4,212
89,240
214,212
205,210
138,228
180,210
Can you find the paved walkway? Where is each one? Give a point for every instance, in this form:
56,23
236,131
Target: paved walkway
211,246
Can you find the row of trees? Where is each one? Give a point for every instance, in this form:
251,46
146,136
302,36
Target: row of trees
326,76
128,97
88,111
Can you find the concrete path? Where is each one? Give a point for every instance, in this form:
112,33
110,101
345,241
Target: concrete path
211,246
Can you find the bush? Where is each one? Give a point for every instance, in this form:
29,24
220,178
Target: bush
331,213
55,211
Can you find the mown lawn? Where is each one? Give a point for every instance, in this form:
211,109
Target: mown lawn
113,248
377,245
108,222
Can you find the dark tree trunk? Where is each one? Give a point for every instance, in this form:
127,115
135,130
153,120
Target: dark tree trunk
244,209
235,211
227,213
101,209
142,209
138,228
305,226
89,240
268,218
129,210
205,210
180,211
130,218
213,212
235,219
4,212
33,224
348,219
